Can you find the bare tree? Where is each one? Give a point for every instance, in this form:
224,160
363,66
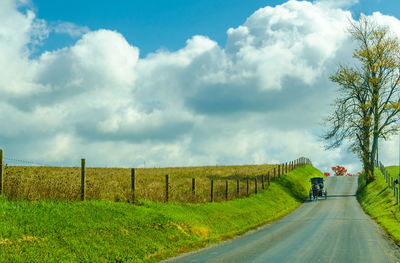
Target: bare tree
368,101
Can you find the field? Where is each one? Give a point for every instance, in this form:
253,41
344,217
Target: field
64,183
106,231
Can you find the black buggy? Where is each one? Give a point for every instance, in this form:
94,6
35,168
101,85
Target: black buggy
318,188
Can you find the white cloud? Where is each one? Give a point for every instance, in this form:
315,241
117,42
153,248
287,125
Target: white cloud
294,39
336,3
259,99
70,29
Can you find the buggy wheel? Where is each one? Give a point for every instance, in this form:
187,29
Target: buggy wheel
310,196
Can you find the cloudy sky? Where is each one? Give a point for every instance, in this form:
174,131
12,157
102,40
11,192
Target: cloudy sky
175,83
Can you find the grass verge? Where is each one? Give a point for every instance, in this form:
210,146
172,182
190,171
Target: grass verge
104,231
378,201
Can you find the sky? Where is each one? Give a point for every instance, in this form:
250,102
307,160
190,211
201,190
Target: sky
176,83
155,24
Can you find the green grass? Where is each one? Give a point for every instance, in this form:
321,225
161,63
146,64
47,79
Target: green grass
105,231
393,171
378,201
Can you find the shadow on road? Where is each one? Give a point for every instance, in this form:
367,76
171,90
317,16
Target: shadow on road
341,195
322,198
319,200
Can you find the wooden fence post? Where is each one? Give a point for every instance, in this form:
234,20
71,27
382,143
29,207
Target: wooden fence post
237,187
133,184
274,173
1,173
247,186
394,188
83,178
398,197
262,181
269,179
193,186
166,188
255,185
286,167
279,171
212,190
226,190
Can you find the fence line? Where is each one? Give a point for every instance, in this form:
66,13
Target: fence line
28,163
390,181
1,173
194,190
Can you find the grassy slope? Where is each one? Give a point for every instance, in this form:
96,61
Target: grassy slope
378,201
393,171
94,231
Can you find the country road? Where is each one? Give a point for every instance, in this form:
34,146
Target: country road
332,230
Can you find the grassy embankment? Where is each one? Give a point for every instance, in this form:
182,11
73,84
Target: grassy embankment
106,231
378,201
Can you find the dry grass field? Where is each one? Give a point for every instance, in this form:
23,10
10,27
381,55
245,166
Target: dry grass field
44,183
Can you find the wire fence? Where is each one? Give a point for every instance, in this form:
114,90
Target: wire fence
392,183
35,181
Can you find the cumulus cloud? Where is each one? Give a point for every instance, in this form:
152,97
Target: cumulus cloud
291,40
337,3
259,99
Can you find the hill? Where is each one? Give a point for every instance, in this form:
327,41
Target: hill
106,231
378,201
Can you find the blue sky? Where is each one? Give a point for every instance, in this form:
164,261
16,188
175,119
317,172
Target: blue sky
152,24
216,82
155,24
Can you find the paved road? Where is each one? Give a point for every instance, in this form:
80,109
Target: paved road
332,230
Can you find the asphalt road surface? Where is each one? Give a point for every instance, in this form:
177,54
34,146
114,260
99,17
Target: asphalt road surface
332,230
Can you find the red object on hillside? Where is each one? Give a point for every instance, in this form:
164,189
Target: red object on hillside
327,174
339,170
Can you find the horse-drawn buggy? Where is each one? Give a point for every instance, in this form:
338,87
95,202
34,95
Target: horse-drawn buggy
318,188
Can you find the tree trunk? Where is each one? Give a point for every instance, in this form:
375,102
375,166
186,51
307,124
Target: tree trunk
366,156
373,153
